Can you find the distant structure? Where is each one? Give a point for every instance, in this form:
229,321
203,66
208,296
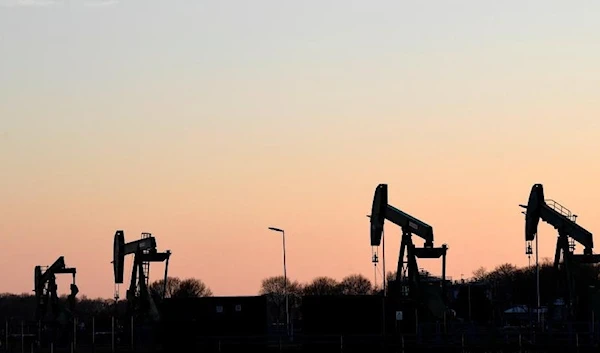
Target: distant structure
48,307
139,299
569,232
409,285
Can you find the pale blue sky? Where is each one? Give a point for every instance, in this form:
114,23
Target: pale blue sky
268,52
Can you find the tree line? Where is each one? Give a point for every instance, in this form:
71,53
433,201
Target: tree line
500,288
23,306
489,293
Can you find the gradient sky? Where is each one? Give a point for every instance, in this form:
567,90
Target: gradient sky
205,122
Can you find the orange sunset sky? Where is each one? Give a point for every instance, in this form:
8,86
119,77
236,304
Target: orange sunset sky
205,122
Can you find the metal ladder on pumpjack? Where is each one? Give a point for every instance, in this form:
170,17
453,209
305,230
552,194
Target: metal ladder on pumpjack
146,264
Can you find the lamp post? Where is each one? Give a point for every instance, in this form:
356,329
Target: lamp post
285,291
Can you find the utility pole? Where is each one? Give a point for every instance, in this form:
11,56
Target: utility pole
285,289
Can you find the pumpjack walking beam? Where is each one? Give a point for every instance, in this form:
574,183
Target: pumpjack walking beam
410,225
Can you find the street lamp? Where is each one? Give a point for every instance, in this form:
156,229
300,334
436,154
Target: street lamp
287,306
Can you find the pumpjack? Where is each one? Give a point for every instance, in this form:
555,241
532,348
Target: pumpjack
564,221
409,284
48,307
140,301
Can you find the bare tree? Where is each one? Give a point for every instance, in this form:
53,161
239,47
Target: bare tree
274,289
322,286
356,285
504,272
192,288
480,274
177,288
156,287
275,286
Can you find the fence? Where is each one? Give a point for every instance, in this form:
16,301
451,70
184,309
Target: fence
94,334
109,334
